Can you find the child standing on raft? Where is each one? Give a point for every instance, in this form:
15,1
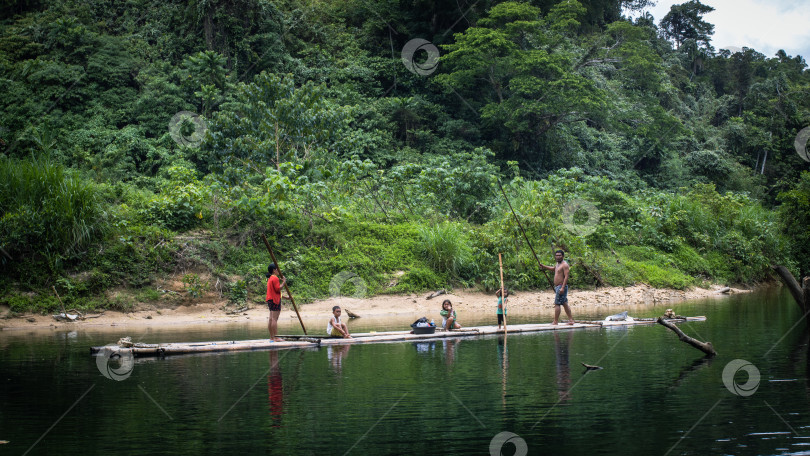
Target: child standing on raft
501,310
448,316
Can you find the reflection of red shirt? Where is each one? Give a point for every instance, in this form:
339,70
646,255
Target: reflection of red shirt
275,396
273,290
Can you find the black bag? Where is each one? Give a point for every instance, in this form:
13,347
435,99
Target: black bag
421,320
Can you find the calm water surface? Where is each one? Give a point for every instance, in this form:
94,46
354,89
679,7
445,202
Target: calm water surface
656,395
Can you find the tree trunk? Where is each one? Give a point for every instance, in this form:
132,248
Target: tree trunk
705,347
793,286
806,289
208,31
764,159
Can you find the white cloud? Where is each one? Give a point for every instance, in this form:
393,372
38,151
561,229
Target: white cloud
766,26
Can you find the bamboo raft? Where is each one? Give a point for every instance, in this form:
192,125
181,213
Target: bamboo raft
291,342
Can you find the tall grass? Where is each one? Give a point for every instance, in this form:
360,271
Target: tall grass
446,248
46,211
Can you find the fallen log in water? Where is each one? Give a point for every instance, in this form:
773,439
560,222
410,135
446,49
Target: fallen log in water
705,347
793,285
801,294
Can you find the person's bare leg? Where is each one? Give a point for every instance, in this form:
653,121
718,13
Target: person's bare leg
346,330
556,315
274,326
568,313
451,323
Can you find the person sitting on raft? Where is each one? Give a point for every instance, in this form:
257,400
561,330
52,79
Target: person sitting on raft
335,328
448,316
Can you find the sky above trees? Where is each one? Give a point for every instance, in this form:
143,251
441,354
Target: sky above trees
765,25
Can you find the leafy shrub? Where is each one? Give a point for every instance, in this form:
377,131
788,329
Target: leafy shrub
195,286
180,205
19,304
237,292
148,295
420,278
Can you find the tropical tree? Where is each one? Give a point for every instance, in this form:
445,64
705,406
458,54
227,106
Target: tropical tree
516,68
273,122
685,21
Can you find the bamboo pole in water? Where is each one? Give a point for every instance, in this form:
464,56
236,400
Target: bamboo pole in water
505,333
286,287
503,369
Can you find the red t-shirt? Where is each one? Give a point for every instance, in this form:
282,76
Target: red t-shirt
273,290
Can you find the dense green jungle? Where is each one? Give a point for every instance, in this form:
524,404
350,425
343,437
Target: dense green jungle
144,142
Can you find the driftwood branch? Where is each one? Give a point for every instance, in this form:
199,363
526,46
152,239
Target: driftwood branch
87,317
436,293
705,347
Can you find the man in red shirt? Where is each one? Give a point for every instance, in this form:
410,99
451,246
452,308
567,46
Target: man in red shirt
274,300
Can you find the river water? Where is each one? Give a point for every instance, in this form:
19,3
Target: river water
526,394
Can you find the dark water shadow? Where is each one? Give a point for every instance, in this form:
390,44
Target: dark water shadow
687,371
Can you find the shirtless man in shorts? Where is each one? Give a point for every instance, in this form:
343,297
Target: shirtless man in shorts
561,274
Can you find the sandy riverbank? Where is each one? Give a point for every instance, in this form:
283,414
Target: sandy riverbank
602,301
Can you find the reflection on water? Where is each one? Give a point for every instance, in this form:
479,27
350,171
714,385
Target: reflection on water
424,348
689,369
561,344
450,346
335,354
275,390
442,397
503,360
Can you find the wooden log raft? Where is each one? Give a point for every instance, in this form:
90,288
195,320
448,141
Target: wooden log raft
300,341
705,347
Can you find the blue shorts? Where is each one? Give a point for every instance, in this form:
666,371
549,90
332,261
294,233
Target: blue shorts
560,296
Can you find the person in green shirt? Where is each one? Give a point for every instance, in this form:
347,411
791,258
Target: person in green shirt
501,310
448,316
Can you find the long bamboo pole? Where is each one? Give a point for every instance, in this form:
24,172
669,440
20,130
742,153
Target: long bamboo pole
503,298
505,334
550,283
286,287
